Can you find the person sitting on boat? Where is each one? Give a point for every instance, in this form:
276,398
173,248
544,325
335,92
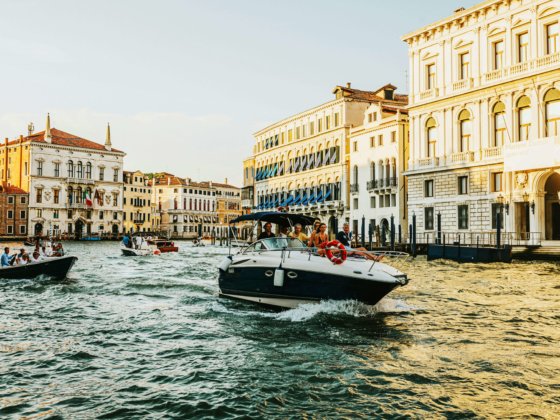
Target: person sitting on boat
22,259
7,259
267,232
126,241
321,236
313,233
36,257
345,238
58,251
283,232
298,234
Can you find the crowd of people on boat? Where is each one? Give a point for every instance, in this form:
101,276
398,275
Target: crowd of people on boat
43,249
318,237
135,242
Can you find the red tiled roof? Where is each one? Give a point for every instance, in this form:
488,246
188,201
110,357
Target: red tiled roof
10,189
217,184
62,138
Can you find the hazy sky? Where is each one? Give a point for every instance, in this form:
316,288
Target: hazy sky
185,83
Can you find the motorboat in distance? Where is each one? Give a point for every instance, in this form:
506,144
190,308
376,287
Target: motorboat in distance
53,267
283,272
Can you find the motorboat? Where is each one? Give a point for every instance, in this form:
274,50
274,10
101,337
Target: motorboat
283,272
139,247
198,242
54,267
163,245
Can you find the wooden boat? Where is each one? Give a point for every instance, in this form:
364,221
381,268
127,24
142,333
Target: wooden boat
56,268
163,245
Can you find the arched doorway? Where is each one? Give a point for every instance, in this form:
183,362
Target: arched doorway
385,231
38,229
78,228
552,207
115,230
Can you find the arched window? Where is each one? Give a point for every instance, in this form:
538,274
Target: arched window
79,195
355,174
552,111
372,171
70,169
88,170
431,137
465,131
387,171
394,168
499,121
70,195
80,170
380,169
523,118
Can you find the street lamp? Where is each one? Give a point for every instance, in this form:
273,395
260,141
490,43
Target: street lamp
501,200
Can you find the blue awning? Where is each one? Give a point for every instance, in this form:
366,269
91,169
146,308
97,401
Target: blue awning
318,197
304,200
328,194
297,200
311,198
289,200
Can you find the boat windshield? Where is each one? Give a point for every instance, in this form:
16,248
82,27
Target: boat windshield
269,244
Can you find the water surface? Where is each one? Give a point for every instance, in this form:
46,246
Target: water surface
149,337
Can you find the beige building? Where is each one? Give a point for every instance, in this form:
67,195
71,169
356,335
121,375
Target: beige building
302,161
378,158
228,206
485,119
137,203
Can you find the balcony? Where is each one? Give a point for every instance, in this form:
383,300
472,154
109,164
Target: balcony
86,181
429,162
463,84
76,206
462,157
521,68
427,94
532,154
371,185
354,188
492,153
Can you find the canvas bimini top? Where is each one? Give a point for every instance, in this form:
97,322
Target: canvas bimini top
276,217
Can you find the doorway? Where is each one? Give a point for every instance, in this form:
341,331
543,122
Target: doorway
552,208
38,229
522,221
79,228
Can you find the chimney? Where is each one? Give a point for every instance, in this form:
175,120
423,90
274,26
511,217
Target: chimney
48,136
348,85
108,145
30,128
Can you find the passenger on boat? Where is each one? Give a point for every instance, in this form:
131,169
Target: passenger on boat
313,233
267,232
23,259
126,241
321,236
283,232
36,257
298,234
7,259
345,238
58,251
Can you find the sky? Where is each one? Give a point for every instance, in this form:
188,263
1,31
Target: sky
185,84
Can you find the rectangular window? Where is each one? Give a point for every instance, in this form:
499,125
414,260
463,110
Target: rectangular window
311,128
303,131
355,203
496,208
297,133
11,199
40,168
39,213
319,125
336,119
522,47
498,55
393,200
497,182
25,169
428,218
55,214
115,200
388,200
22,214
22,229
552,38
552,111
465,128
10,214
355,146
464,65
374,116
115,215
327,122
524,123
372,142
463,216
39,196
57,169
290,135
101,214
101,174
23,200
429,188
393,136
430,76
370,117
380,140
462,185
56,196
115,175
10,230
432,142
372,202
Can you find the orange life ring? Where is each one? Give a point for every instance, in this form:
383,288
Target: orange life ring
157,252
328,251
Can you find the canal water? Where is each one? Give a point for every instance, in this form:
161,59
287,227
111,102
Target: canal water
149,338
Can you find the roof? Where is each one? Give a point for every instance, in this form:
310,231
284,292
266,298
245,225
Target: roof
277,218
10,189
62,138
219,185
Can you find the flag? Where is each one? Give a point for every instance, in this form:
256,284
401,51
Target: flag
87,198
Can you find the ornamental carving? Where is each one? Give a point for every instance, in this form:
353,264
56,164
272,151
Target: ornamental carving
107,199
521,180
48,195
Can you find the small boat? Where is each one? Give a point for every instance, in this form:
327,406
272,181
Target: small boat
139,252
163,245
283,272
91,238
55,267
198,242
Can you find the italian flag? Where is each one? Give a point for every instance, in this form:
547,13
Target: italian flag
87,199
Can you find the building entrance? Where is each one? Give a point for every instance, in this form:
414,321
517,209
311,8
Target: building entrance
522,221
552,207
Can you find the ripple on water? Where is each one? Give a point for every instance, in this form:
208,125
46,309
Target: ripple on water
149,337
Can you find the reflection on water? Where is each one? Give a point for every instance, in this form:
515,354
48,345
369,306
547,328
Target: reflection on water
141,337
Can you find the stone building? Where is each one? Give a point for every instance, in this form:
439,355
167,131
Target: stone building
302,161
228,206
378,158
484,119
13,211
138,211
75,185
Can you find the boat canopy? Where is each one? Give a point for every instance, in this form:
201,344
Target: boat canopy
276,217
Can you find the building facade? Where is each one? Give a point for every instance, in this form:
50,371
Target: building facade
75,185
138,211
302,162
485,119
13,211
378,159
228,206
187,208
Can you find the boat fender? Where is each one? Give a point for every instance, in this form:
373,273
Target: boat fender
224,265
279,277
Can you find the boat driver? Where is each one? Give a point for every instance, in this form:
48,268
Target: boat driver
267,232
7,260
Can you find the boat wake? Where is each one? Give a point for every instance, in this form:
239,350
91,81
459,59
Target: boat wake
350,308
